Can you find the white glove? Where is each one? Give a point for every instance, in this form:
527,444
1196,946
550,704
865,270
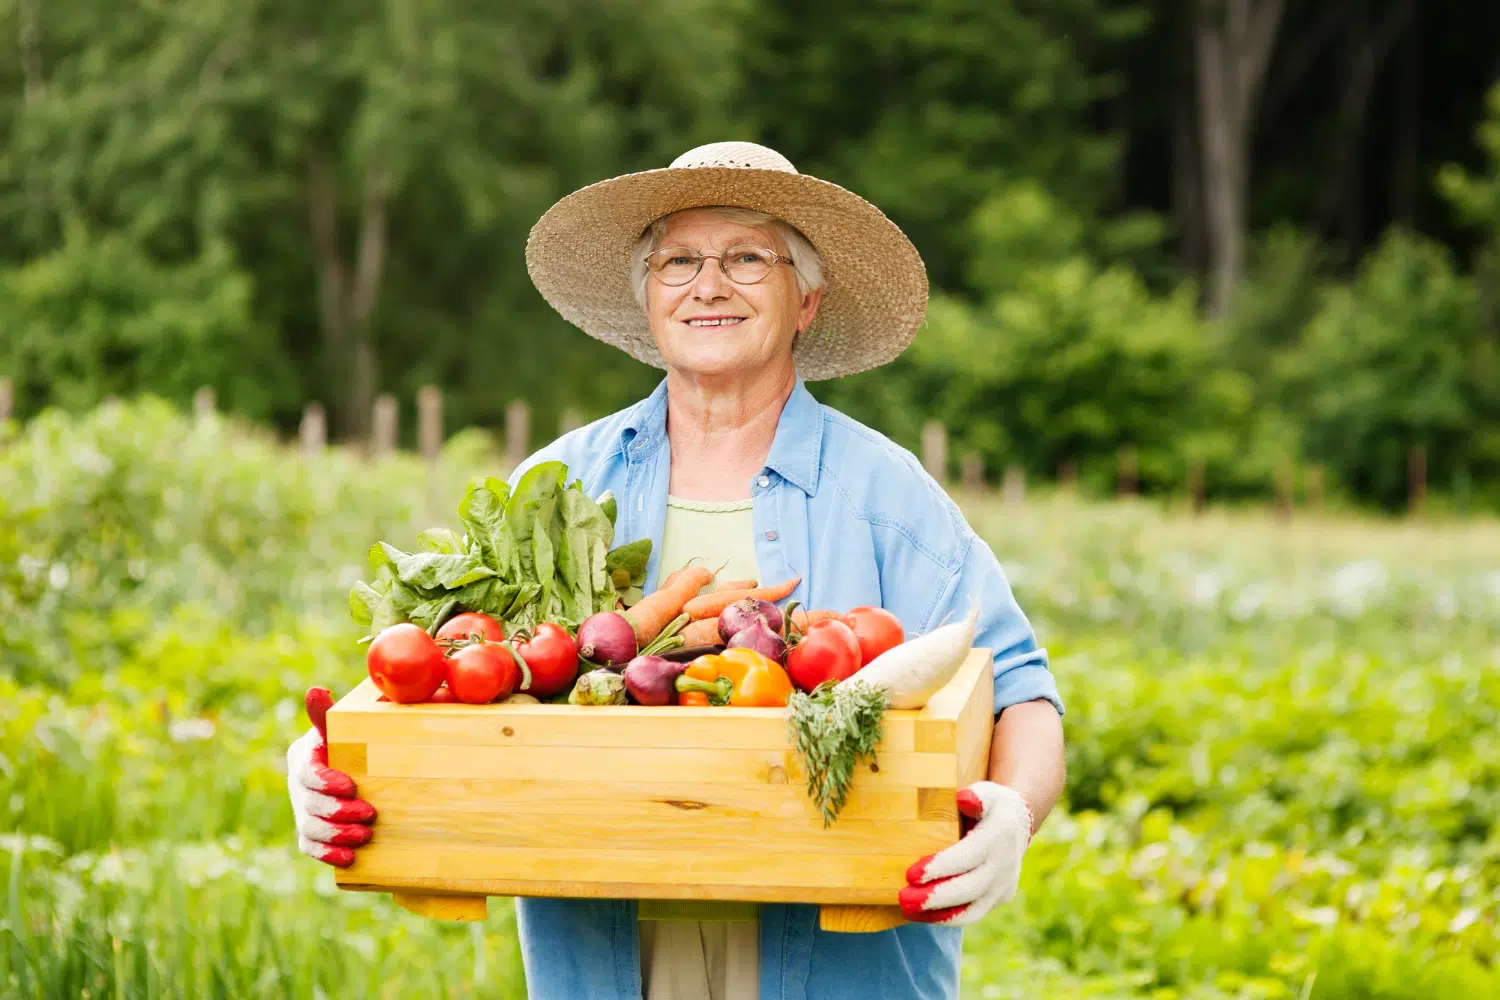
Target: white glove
330,820
960,884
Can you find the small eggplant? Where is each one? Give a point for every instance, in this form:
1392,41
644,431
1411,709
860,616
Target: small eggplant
649,679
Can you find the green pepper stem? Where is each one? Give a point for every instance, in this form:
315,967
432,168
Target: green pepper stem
718,690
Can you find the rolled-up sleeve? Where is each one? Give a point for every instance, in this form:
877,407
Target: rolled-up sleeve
1022,672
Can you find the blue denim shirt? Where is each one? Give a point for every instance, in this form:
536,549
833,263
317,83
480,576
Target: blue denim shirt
859,520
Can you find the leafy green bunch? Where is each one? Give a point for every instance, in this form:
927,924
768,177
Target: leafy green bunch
540,553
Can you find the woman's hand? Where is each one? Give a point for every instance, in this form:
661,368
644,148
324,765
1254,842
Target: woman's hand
330,820
962,883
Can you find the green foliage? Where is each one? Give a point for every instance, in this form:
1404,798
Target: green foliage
99,317
1397,358
1283,774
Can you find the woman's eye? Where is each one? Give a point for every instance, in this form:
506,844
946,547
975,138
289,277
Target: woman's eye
679,260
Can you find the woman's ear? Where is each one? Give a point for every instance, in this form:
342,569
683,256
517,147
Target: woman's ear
809,308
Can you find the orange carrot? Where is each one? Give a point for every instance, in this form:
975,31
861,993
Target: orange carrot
709,605
655,611
701,633
802,619
735,585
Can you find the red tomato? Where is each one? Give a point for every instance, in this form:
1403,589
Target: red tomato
406,663
828,651
552,657
876,629
483,672
442,696
471,622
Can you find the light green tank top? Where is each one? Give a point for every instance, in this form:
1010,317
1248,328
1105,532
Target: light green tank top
715,534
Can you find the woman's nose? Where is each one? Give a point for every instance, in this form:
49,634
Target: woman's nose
710,285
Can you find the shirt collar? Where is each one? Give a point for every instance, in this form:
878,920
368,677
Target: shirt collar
796,451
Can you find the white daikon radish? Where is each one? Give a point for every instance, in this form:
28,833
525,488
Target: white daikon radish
917,669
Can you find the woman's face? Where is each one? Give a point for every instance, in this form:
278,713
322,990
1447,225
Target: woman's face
714,327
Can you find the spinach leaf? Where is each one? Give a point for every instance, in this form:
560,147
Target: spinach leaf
437,571
482,512
630,558
443,540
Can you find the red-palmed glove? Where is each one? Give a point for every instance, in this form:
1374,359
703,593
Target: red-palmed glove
962,883
330,820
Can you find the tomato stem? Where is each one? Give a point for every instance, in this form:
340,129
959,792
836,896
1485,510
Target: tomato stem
521,662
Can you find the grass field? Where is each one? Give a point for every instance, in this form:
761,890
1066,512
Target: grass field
1284,758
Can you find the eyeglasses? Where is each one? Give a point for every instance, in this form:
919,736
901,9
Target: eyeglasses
743,265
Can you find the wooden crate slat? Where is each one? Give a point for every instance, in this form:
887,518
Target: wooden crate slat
667,801
756,892
601,726
462,864
703,833
710,765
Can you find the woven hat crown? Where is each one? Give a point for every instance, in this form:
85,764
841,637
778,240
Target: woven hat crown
735,154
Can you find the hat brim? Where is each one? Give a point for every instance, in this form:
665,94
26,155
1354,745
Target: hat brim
875,294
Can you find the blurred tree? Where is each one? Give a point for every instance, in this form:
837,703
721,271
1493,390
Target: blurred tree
927,108
348,149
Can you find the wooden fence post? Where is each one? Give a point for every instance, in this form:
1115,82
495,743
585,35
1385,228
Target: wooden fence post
1195,486
935,450
314,430
971,473
571,420
430,422
1416,479
7,399
1067,476
1013,486
203,402
1128,475
517,432
385,421
1312,485
1285,487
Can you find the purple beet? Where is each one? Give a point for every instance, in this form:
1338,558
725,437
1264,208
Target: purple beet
650,680
742,614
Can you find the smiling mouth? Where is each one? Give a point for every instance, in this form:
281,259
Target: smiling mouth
723,321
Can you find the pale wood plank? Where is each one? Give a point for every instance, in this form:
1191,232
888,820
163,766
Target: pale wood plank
703,833
758,892
584,764
949,702
660,800
598,726
349,758
596,873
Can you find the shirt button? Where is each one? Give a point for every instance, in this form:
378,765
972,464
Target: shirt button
771,535
764,480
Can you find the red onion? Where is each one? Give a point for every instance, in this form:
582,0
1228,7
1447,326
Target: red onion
742,614
649,680
606,639
760,638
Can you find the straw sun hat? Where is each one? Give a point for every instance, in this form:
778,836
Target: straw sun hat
876,295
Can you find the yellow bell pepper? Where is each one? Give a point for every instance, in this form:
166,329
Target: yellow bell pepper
741,678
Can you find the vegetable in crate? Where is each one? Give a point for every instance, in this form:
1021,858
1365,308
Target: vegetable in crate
653,613
743,613
827,651
741,678
607,639
649,680
468,624
551,657
482,672
838,725
541,553
406,663
598,687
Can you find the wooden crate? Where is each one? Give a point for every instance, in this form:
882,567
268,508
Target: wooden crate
629,802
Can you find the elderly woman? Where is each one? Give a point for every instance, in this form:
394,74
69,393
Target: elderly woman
743,279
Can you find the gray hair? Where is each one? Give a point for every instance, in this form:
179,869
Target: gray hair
806,263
